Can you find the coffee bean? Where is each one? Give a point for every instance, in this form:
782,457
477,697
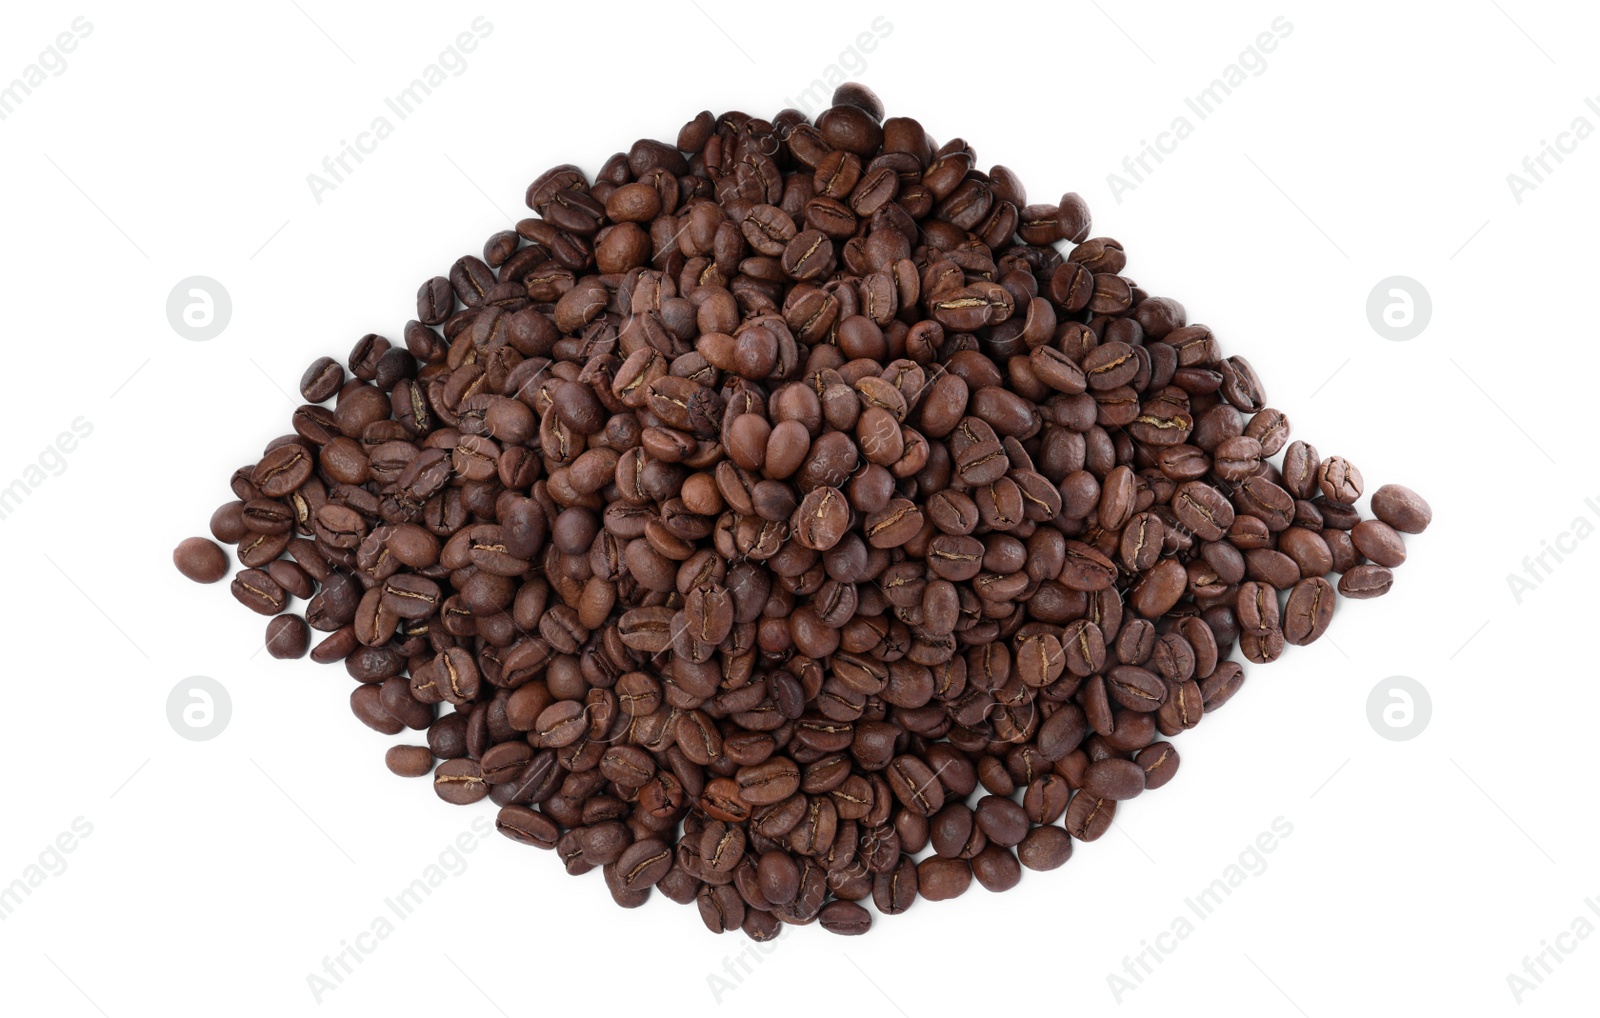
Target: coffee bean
528,826
845,918
939,878
1401,508
644,863
200,560
282,470
1203,510
1089,816
1309,610
915,785
1045,848
1300,469
822,518
1135,688
1379,542
1113,778
459,782
1339,480
1365,581
768,783
321,380
1002,821
288,636
1159,762
409,761
996,869
256,590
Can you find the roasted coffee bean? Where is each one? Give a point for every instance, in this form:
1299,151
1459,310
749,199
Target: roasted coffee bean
200,560
1401,508
409,761
894,888
939,878
1365,581
1089,816
1113,778
1339,480
321,380
1203,510
282,470
996,869
768,783
1002,821
1257,608
288,637
459,782
1045,848
845,918
1308,611
1159,762
644,863
259,592
1379,542
528,826
1300,468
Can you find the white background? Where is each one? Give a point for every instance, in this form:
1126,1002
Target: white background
1376,142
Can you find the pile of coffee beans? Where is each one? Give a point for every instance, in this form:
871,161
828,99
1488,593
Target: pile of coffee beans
792,516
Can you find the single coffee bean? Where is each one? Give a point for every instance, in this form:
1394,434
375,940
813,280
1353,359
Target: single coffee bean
1379,542
200,560
644,863
939,878
1309,610
1089,816
288,636
459,782
256,590
822,518
1045,848
1159,762
845,918
366,703
1113,779
1402,509
322,380
768,783
996,869
409,761
528,826
1339,480
1365,581
282,470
